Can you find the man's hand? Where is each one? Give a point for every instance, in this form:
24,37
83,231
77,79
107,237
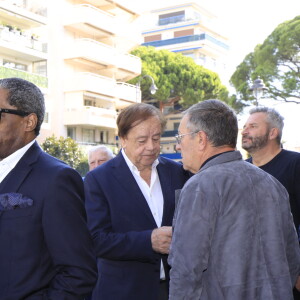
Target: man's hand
297,285
161,239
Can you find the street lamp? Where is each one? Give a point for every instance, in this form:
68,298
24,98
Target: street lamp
258,88
153,87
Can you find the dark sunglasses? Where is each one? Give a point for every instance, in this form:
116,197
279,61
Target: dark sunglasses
13,112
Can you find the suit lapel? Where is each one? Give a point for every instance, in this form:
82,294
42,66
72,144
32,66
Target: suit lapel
125,178
19,173
165,178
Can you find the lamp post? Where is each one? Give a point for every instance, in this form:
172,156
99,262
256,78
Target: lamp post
258,88
153,87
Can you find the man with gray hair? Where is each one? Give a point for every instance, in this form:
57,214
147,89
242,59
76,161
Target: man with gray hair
234,236
99,155
261,138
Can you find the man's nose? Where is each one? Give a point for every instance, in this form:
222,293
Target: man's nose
178,147
150,144
244,131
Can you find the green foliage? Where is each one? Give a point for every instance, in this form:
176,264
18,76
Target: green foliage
178,76
276,61
83,167
38,80
65,149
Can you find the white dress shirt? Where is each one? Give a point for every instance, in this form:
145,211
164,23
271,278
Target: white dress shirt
9,162
153,193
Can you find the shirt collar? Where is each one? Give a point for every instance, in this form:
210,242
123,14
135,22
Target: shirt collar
132,166
17,155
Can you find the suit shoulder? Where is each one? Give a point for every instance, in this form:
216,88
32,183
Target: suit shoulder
169,161
54,165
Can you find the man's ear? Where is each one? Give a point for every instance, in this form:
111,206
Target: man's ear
202,137
273,134
31,122
123,142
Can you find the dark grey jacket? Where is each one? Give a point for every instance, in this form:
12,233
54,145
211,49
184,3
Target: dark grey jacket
234,235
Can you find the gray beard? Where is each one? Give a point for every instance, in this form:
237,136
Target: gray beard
257,143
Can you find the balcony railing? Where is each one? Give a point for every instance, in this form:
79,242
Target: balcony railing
21,39
127,92
89,115
101,53
171,20
36,7
39,80
187,39
88,14
101,85
89,19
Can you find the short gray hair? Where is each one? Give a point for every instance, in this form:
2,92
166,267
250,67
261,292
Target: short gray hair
25,96
102,148
274,119
216,119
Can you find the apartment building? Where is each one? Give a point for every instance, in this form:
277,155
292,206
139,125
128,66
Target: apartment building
190,29
89,64
23,51
83,65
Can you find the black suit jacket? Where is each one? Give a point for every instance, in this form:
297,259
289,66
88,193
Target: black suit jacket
121,224
45,247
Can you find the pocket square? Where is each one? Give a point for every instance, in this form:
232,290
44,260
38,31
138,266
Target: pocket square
11,201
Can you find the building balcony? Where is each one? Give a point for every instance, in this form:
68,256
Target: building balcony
13,43
39,80
122,65
90,20
89,82
205,38
26,14
91,116
87,19
176,19
126,94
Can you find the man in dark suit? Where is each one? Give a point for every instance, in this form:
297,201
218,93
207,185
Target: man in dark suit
130,206
46,249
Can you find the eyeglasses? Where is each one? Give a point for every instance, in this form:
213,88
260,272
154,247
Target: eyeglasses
179,137
13,112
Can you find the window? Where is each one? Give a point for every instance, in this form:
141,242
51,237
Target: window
88,135
176,125
103,136
40,67
174,17
71,132
14,65
88,102
184,32
151,38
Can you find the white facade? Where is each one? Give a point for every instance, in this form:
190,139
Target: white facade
88,65
77,52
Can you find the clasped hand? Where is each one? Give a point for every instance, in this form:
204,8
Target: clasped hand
161,239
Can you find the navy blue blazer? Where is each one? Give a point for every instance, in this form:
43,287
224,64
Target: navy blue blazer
45,246
121,224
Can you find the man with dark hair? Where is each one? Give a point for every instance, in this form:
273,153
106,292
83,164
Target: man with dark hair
46,249
130,205
234,236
